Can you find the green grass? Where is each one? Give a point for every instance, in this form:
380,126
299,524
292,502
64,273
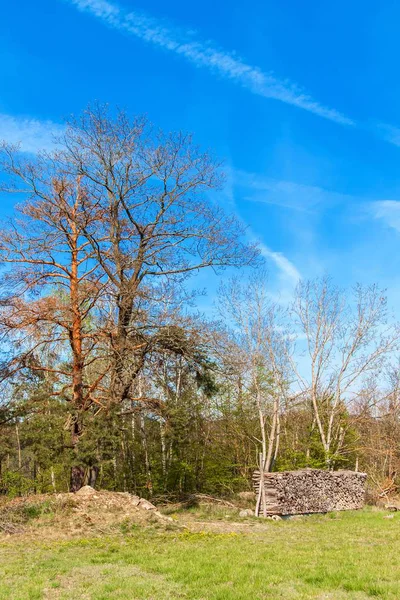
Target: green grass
334,557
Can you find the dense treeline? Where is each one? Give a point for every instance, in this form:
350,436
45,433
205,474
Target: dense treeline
109,375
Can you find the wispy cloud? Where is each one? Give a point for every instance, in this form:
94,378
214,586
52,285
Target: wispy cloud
288,273
32,135
389,133
387,211
287,194
207,55
285,267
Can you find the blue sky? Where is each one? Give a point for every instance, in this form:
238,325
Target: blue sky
300,99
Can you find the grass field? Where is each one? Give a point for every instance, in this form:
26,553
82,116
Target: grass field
332,557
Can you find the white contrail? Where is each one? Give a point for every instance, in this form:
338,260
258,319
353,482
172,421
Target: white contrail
287,268
389,133
206,54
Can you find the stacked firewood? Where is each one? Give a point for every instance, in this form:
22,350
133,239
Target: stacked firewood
311,491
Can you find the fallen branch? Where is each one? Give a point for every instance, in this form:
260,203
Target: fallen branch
211,499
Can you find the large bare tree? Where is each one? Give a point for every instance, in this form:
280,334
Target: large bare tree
158,226
112,223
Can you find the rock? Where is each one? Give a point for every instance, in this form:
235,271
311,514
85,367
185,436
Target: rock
86,490
135,500
388,517
146,504
246,513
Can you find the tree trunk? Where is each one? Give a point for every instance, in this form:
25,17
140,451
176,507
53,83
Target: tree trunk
163,454
149,483
262,457
53,479
18,446
76,339
77,478
77,475
92,476
272,436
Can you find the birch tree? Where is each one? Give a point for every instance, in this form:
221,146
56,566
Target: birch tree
347,338
158,227
257,326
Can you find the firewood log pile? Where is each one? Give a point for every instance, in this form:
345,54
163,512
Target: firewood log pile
311,491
